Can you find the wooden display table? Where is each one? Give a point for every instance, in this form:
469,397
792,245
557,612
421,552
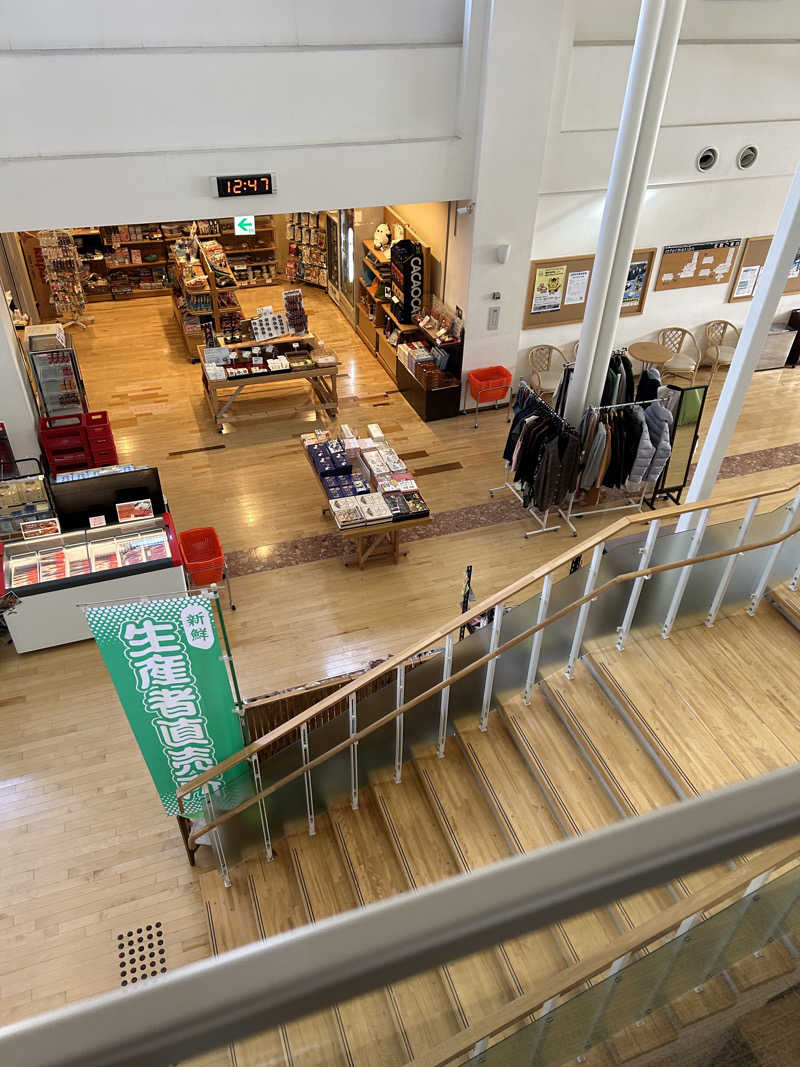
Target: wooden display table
380,541
221,393
650,354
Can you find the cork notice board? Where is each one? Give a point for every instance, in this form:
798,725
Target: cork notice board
753,258
557,288
703,263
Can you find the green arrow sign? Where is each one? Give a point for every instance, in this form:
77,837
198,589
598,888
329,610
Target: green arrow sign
244,224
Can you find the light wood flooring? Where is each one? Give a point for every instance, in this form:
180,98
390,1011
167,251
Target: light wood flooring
88,852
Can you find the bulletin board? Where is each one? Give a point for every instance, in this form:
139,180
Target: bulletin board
702,263
557,288
753,259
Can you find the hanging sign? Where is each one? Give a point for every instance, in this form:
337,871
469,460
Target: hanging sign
165,661
244,225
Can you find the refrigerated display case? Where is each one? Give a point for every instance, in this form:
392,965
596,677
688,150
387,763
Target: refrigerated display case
24,496
54,576
56,374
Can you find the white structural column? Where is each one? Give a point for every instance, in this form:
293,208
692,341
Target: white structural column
769,287
16,408
644,49
637,187
525,39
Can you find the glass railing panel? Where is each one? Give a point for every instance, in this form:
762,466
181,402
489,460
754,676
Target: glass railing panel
648,985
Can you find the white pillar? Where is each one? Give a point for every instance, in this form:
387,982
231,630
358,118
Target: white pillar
526,41
637,187
644,49
769,287
17,412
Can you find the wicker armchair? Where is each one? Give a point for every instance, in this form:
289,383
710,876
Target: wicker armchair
545,370
685,363
717,352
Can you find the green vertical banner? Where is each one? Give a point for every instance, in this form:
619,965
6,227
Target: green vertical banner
165,661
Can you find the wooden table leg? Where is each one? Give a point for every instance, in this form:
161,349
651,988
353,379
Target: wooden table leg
396,545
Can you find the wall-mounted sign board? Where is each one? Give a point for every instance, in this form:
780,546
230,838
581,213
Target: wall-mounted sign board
753,259
557,288
703,263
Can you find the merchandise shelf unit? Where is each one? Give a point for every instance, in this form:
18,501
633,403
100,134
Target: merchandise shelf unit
252,257
307,258
135,261
202,312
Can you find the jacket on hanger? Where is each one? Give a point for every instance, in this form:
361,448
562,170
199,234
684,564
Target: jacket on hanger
645,451
658,421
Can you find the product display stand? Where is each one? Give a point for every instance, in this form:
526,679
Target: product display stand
62,269
541,518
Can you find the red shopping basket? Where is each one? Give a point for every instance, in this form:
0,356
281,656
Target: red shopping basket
488,384
203,557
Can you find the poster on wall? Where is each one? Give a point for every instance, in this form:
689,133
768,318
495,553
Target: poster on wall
577,284
748,276
548,289
794,270
166,663
634,286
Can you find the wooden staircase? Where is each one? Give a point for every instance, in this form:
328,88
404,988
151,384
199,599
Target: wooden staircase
633,731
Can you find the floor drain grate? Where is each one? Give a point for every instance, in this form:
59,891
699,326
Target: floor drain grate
142,953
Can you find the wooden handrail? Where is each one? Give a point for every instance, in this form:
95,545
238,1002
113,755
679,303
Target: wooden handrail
728,885
475,665
511,590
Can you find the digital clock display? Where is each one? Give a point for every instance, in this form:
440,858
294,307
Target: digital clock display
246,185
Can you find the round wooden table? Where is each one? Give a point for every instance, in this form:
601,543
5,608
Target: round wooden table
650,353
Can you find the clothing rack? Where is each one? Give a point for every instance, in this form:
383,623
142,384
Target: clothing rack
636,505
541,518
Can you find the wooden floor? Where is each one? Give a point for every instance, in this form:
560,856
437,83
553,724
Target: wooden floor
89,853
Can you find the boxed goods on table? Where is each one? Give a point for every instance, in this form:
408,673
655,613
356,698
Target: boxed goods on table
347,512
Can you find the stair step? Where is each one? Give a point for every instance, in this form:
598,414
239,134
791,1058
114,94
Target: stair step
787,600
475,840
573,788
527,821
233,922
645,1036
636,782
754,970
372,1023
773,1031
428,1013
315,1038
482,982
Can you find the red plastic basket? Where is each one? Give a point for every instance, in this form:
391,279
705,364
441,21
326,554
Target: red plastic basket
202,555
489,383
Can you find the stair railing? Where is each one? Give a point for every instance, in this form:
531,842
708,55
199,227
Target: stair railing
592,592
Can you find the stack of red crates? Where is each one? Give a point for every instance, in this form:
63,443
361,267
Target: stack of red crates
77,442
100,438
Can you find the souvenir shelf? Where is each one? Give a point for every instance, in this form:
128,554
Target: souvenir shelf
62,271
135,261
252,257
203,304
307,260
24,497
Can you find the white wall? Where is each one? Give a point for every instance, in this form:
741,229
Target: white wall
125,112
569,224
16,410
736,81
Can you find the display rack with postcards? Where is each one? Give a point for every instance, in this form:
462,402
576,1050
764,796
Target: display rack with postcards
307,259
368,490
429,365
24,497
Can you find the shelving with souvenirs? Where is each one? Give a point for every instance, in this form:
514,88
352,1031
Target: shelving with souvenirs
385,269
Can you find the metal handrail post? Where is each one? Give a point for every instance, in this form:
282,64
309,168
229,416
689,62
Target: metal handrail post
307,780
583,612
262,806
353,727
398,724
645,554
494,641
727,573
216,838
444,702
538,638
772,558
685,574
